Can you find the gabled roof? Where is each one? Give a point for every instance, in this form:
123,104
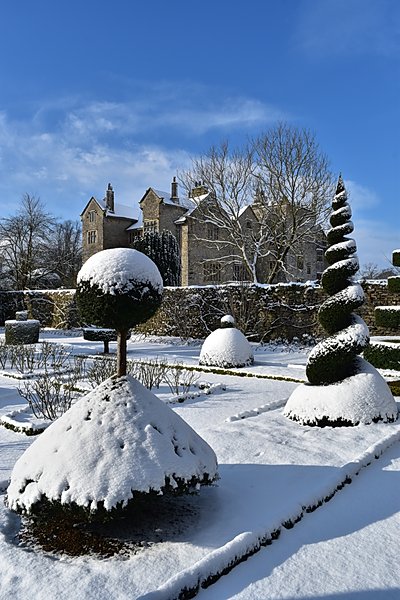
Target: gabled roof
165,197
120,210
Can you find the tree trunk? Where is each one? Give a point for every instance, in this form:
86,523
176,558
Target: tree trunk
106,347
121,352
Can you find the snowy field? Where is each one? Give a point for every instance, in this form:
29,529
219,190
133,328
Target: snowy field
316,509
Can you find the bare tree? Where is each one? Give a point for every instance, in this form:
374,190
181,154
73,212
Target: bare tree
65,256
24,241
268,200
298,186
228,176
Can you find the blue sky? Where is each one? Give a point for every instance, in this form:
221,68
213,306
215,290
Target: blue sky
128,91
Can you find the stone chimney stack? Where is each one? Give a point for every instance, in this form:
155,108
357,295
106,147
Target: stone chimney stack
110,198
174,190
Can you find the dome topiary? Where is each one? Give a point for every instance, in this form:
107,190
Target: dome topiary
226,347
343,388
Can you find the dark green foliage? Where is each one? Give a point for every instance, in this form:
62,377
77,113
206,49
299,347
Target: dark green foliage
334,359
385,317
396,258
163,249
383,355
22,332
394,284
117,311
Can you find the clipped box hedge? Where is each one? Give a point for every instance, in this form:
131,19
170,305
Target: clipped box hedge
383,355
394,283
387,316
396,258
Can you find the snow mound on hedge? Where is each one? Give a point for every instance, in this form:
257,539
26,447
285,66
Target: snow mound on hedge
226,347
361,398
119,270
117,439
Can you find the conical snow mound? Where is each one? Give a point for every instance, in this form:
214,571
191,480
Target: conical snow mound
361,398
226,347
116,440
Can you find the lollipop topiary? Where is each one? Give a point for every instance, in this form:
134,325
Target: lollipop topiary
119,441
118,289
343,388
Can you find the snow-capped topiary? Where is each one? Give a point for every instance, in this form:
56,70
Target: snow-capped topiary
117,440
118,289
334,369
21,331
226,347
227,321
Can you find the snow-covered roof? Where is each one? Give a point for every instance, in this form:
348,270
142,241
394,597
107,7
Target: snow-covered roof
137,225
120,210
184,202
191,210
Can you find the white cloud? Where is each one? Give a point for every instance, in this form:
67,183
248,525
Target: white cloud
68,149
65,172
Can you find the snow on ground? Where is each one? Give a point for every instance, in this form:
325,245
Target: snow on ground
271,469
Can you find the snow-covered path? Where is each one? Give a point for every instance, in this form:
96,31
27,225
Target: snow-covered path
346,550
271,470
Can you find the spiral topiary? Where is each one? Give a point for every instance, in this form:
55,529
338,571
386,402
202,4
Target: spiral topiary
343,389
334,358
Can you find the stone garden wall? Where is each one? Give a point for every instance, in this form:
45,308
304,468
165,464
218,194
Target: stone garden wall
262,312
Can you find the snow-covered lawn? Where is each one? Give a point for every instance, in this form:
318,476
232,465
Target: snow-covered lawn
273,472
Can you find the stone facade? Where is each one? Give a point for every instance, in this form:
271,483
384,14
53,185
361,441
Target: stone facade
107,224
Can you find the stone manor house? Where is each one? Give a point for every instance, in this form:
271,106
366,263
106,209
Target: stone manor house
109,224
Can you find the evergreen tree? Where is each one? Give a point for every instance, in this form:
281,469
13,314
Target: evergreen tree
163,249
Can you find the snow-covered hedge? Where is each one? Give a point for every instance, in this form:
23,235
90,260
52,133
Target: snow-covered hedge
22,332
383,355
388,316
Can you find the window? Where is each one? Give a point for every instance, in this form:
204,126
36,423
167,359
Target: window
212,232
300,263
212,272
249,225
150,226
320,255
91,237
92,216
308,268
134,235
239,272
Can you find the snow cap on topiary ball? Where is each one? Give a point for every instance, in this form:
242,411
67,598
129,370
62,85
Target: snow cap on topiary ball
227,321
118,288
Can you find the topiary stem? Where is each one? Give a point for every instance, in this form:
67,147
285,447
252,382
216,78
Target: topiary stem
121,352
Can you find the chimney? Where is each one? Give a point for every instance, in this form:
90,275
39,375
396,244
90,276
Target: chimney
199,189
110,198
174,190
